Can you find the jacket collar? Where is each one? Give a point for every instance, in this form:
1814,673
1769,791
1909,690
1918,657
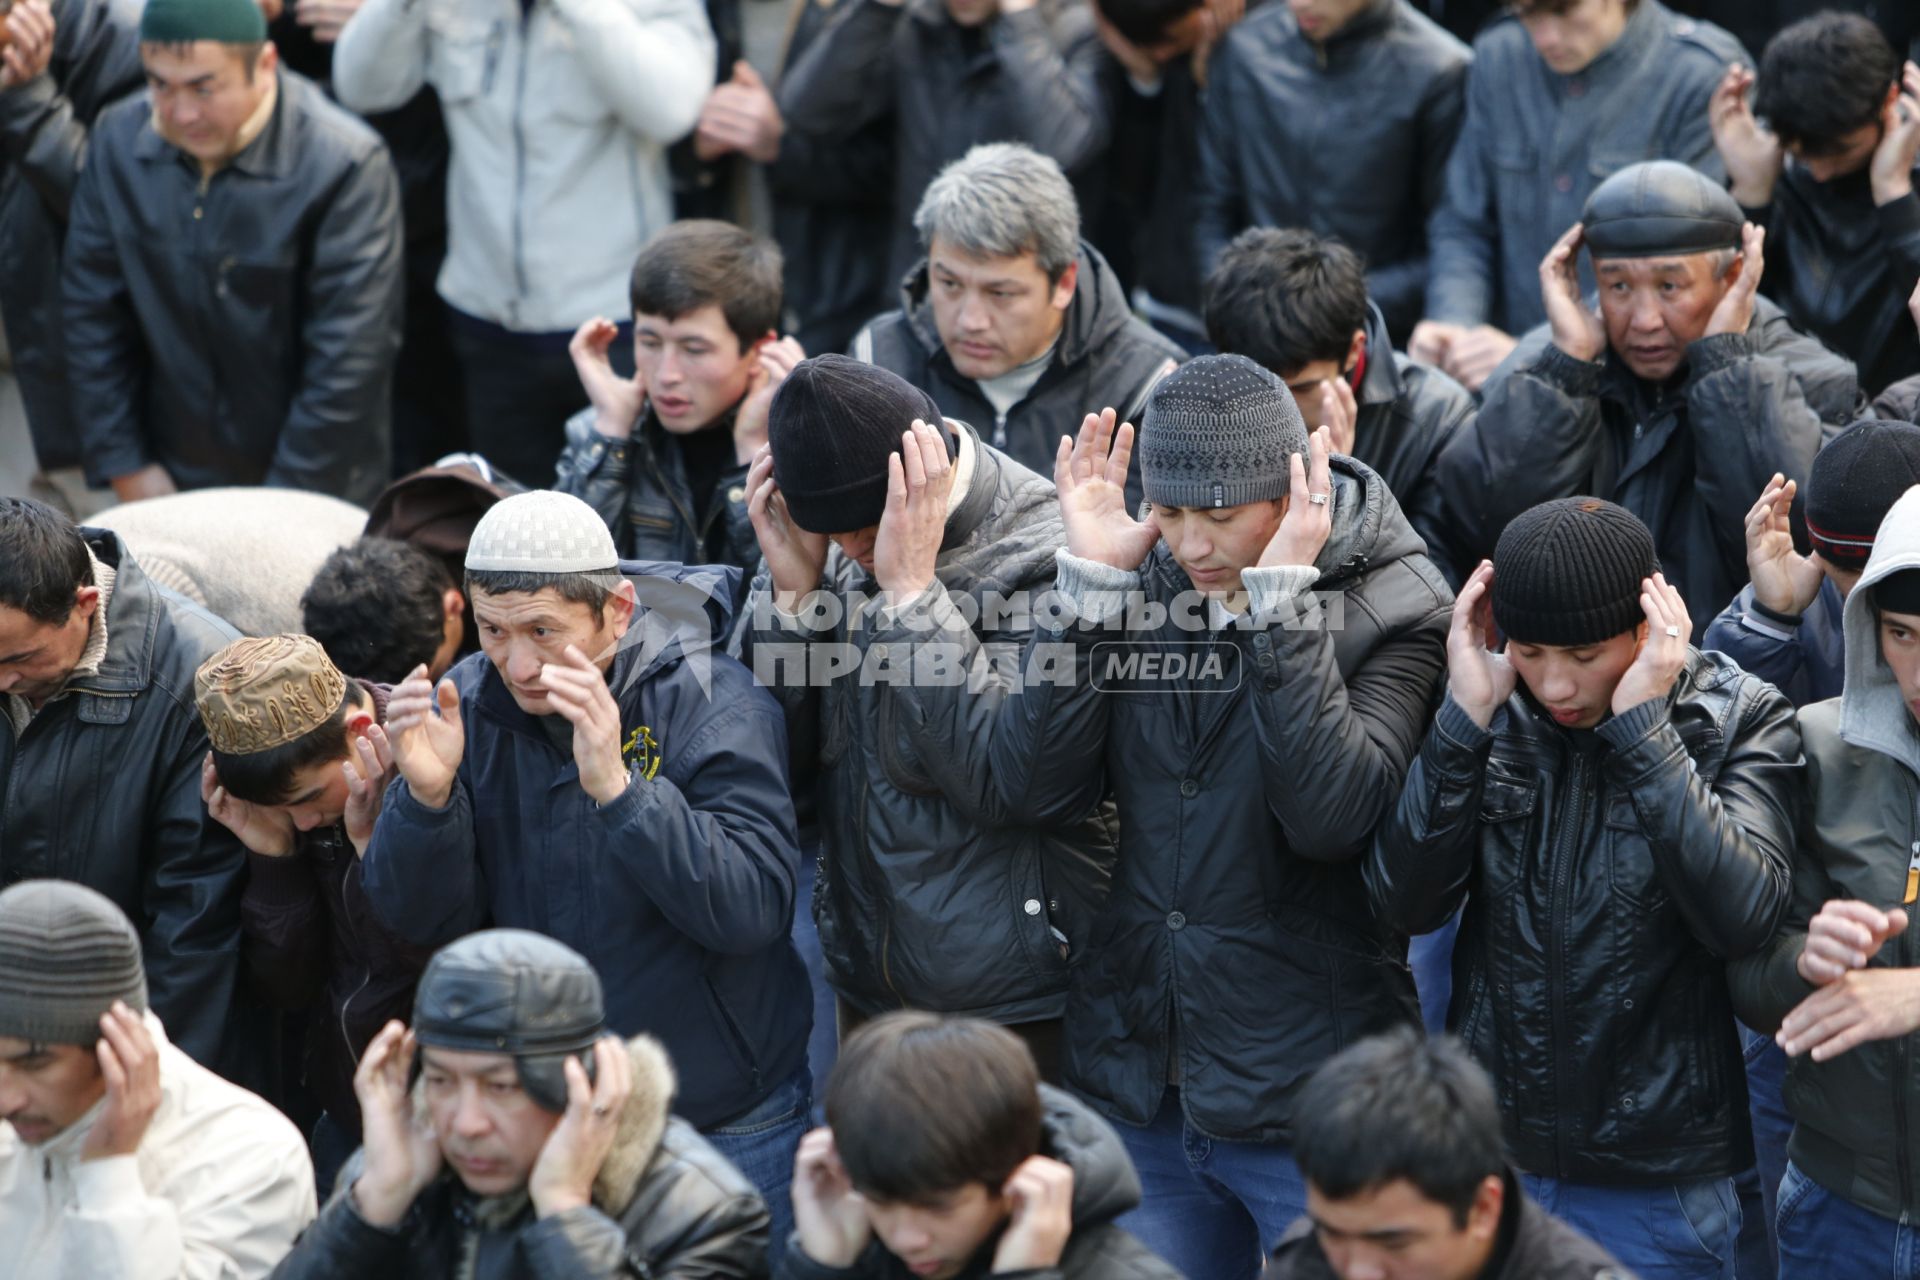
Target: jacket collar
1365,27
133,622
1381,385
972,510
269,155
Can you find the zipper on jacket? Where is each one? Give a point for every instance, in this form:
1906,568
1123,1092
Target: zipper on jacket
366,966
1903,1058
1565,849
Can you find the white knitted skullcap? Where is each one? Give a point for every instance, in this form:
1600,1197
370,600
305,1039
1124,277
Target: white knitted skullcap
542,532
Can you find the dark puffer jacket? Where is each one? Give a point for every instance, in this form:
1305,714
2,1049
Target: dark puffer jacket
931,894
1348,138
1609,875
1104,1187
102,787
43,143
665,1206
1237,945
1688,457
1105,358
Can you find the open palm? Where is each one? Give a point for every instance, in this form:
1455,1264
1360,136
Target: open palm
1090,473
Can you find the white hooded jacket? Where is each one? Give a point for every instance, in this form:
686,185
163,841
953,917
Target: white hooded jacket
218,1190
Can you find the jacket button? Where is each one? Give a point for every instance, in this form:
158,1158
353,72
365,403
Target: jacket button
1189,788
1177,921
1626,1104
737,494
1627,1003
1033,906
1563,182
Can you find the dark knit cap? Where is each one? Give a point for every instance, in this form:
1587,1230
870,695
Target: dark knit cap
185,21
66,954
1568,573
1217,433
832,425
1854,482
513,992
1660,209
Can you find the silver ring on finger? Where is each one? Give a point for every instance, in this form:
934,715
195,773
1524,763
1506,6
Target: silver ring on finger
602,1110
1320,499
1673,631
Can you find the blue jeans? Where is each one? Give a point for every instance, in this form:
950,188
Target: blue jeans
762,1143
1209,1207
823,1046
1676,1232
1823,1235
1772,1126
1430,956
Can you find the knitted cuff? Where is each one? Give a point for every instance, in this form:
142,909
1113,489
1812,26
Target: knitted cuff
1711,354
1271,591
1097,591
1575,377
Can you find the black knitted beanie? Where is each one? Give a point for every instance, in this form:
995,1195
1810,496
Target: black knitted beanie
1568,573
832,425
1854,482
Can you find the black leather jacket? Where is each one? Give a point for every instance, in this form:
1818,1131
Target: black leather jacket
1608,877
1349,138
239,329
43,142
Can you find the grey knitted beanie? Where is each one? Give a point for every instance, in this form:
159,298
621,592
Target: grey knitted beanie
542,532
1218,432
66,954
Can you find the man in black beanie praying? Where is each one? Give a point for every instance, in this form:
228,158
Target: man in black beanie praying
1617,811
1677,393
903,558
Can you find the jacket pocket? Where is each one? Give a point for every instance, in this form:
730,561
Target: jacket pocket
461,60
1516,178
1507,804
1630,871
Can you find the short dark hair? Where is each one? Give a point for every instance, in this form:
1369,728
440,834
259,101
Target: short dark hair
922,1104
378,608
700,262
590,589
1397,1106
43,561
266,777
1285,298
1145,22
1824,77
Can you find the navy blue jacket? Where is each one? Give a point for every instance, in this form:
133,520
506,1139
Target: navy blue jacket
1804,657
680,892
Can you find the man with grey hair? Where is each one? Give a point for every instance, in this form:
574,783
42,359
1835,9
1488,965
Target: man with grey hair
119,1155
1013,323
1678,396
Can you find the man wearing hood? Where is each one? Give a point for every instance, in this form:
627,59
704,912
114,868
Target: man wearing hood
1616,810
1274,613
509,1136
1677,397
603,778
1012,320
930,895
944,1157
1839,980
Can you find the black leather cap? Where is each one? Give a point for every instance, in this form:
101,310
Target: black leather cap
1660,209
514,992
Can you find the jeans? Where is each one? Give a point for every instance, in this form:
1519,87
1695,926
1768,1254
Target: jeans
520,390
1772,1126
762,1143
1675,1232
1211,1208
1430,956
1824,1236
823,1046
